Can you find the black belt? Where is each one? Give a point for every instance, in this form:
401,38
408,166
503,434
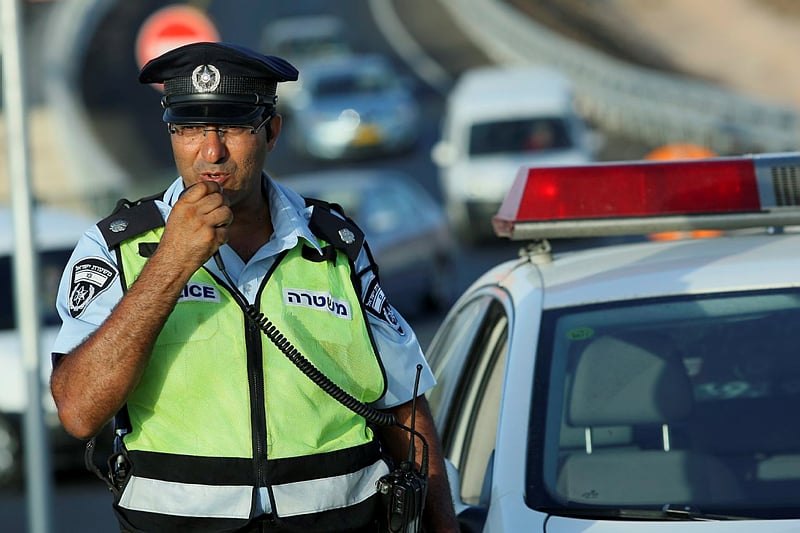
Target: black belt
266,524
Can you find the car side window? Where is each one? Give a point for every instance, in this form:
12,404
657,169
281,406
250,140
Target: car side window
448,354
480,427
471,428
51,266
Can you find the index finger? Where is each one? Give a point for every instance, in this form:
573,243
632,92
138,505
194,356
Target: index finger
204,187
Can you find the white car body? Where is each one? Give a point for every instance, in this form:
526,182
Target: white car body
508,357
56,232
474,176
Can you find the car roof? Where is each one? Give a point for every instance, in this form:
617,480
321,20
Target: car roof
485,90
54,228
657,269
344,63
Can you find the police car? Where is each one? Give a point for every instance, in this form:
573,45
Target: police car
644,386
56,231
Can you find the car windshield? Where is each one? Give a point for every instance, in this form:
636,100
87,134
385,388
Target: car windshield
379,208
519,135
686,402
366,81
51,266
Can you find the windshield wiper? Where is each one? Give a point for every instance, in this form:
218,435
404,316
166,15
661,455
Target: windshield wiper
687,512
667,512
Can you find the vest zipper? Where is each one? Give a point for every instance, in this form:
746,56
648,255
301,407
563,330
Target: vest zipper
258,415
255,381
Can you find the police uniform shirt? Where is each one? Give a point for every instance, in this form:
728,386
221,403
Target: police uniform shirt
396,342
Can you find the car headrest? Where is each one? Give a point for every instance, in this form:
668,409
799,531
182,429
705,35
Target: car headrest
620,382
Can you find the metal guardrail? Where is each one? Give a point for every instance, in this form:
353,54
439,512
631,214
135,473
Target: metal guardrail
642,103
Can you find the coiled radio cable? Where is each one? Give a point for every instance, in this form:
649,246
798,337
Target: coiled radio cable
286,347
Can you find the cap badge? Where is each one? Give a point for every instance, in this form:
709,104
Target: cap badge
118,225
205,78
347,236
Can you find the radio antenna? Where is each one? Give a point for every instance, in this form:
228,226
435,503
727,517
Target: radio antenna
411,448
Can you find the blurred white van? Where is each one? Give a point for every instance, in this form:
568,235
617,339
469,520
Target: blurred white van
56,233
498,118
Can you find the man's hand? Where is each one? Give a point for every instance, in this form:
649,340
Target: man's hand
92,383
197,225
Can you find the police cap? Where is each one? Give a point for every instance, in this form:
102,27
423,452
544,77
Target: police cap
216,83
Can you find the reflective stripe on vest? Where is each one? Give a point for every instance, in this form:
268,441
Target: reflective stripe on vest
233,501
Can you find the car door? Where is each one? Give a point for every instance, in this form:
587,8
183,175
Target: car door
468,358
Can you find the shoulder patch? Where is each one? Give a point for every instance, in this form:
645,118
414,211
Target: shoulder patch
129,222
90,277
377,305
342,233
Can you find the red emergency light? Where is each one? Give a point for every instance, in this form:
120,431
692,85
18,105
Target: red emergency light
650,196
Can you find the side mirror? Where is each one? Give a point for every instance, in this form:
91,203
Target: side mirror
443,154
454,480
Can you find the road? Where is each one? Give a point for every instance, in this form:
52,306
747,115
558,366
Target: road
129,115
141,141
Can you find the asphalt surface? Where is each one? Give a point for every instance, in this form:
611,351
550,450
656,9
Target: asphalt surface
81,502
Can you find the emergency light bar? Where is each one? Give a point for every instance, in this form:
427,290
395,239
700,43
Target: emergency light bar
640,197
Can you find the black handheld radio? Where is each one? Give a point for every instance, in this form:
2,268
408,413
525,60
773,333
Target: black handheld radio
403,490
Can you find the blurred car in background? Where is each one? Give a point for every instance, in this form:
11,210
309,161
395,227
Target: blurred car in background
353,107
498,118
300,40
639,387
405,228
56,233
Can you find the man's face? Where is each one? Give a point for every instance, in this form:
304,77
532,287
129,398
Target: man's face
230,156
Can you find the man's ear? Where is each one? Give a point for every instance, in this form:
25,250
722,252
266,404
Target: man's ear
274,130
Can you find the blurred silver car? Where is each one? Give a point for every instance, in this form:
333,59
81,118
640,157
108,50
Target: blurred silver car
356,106
302,39
405,228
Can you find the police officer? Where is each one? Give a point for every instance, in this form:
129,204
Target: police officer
164,306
